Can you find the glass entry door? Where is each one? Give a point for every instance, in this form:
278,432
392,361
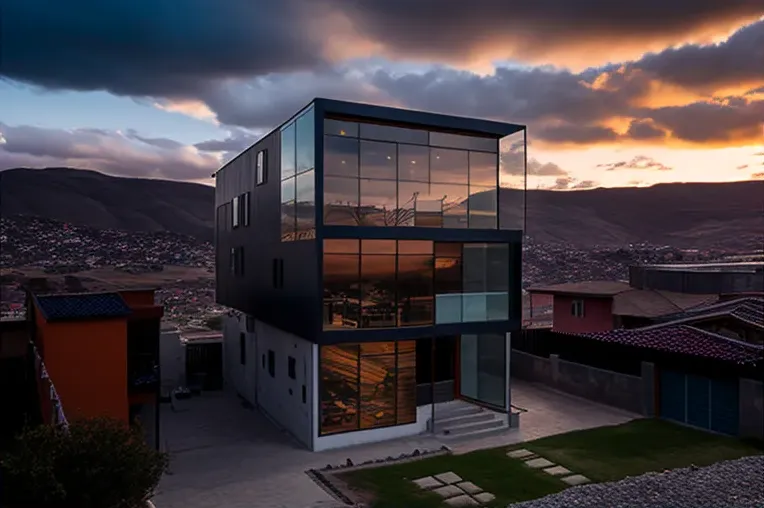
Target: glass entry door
483,369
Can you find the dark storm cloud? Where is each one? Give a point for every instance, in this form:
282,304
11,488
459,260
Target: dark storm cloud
644,130
151,47
110,152
711,122
458,29
740,59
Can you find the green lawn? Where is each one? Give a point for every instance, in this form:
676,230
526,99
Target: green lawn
603,454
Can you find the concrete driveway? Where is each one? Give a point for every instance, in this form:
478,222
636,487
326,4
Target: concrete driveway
224,455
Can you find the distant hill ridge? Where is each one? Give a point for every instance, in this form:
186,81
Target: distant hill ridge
689,215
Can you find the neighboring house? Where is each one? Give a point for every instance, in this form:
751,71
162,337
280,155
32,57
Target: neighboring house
596,306
101,351
374,269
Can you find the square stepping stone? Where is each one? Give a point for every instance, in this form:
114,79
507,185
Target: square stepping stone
463,500
469,487
520,454
448,478
539,463
485,497
427,483
576,479
557,471
449,491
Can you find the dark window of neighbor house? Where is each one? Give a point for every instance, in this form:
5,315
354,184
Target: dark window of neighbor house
292,367
271,363
577,308
261,170
242,348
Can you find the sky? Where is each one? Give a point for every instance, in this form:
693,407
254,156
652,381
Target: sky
613,94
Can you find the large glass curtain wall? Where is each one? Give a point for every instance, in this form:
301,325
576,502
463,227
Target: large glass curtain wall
365,386
378,175
298,187
389,283
483,368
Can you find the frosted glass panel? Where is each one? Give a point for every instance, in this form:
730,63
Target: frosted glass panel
448,309
498,306
474,307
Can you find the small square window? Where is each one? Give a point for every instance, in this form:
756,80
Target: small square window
272,363
292,367
261,168
577,308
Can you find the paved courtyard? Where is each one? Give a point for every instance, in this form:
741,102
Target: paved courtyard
228,456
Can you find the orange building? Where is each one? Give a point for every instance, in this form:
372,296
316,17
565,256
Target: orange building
101,352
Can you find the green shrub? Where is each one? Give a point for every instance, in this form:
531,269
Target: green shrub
98,463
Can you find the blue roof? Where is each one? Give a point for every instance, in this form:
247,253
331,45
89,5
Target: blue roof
82,306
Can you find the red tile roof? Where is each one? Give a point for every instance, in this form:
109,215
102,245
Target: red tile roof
685,340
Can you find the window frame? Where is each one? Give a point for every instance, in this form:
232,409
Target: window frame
235,212
578,309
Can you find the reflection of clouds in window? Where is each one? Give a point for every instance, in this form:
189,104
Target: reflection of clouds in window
340,156
448,166
378,160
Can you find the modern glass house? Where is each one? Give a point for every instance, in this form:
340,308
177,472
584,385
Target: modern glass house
374,257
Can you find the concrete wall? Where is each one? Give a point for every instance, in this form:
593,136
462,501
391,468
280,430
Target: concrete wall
172,360
751,408
240,378
279,396
606,387
598,315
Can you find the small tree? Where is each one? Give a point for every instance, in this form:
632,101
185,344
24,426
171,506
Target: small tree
97,463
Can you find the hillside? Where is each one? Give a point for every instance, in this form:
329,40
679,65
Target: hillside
105,202
690,215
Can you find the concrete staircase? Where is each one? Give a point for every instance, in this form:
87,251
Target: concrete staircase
459,420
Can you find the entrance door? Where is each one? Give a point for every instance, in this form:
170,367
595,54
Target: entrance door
483,369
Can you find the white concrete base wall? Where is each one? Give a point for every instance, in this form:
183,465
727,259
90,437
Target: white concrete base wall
237,377
280,397
172,360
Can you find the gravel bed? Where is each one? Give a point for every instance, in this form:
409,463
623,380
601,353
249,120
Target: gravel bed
733,483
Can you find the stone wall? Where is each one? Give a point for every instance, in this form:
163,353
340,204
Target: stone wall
631,393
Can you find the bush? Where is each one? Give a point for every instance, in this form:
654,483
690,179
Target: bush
98,463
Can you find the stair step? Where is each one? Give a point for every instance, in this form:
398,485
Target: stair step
444,423
473,427
456,411
475,435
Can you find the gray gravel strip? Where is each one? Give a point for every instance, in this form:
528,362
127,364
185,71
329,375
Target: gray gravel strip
730,484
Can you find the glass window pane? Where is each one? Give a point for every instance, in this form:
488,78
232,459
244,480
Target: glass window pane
306,140
416,207
474,268
484,169
497,267
413,163
377,290
415,290
406,399
498,306
512,181
448,249
377,391
377,203
305,205
390,133
341,246
377,348
340,156
483,207
454,199
415,247
342,293
288,209
378,160
448,166
378,246
340,128
464,142
340,201
339,388
288,151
